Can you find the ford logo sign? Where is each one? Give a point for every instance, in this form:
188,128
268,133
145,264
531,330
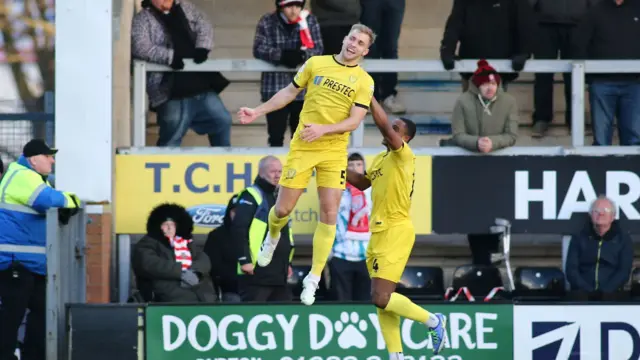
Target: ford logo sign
210,216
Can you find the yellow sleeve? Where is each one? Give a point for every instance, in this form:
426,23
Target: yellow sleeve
364,92
404,153
304,74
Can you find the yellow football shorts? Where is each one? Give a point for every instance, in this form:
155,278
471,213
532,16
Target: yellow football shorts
330,167
389,251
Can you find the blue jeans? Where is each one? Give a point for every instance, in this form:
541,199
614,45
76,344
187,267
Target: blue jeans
619,100
384,17
204,113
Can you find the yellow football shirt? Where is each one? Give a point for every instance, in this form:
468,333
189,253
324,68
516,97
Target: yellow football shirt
392,175
332,90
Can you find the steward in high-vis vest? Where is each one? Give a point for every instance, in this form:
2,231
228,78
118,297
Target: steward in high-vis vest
248,230
25,197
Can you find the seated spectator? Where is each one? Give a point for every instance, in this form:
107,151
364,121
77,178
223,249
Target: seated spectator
167,32
167,265
600,257
500,29
485,118
288,37
336,17
348,266
598,37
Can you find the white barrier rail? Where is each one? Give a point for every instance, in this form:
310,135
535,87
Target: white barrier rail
577,68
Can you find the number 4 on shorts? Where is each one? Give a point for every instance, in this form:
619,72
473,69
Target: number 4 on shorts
375,265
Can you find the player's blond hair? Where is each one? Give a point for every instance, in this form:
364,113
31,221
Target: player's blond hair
365,30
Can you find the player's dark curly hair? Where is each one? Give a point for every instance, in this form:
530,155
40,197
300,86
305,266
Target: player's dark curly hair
411,128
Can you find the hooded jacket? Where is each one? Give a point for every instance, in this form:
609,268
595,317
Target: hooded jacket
599,263
497,120
155,265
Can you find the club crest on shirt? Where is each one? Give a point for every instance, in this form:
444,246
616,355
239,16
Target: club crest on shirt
353,79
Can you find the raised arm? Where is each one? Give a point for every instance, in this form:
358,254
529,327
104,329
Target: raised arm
393,139
360,181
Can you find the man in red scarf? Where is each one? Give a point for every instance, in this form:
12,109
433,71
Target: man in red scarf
286,37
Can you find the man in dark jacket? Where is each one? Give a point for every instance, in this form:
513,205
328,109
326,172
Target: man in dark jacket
166,32
167,265
600,257
488,29
556,20
336,18
608,31
248,231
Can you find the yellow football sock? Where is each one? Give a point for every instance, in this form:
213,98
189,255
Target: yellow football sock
390,329
275,223
323,239
402,306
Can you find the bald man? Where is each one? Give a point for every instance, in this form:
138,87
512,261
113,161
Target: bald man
249,227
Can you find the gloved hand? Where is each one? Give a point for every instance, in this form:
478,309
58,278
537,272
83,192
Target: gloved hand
177,63
189,278
518,61
292,58
449,62
201,55
76,200
64,215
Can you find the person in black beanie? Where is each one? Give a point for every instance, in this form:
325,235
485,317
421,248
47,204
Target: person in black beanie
286,37
167,32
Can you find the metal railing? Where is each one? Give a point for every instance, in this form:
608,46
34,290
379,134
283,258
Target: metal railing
577,68
66,276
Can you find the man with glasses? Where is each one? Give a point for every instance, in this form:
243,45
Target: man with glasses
600,257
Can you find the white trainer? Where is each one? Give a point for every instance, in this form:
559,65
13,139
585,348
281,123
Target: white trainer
309,287
266,250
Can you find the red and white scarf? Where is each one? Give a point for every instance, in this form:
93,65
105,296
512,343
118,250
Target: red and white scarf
358,225
181,249
303,25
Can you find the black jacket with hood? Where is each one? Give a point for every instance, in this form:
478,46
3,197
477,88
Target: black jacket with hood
154,261
489,29
599,263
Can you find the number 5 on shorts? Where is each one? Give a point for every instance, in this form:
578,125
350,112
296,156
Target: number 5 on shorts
343,177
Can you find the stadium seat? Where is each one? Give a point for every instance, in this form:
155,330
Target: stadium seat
635,284
422,283
295,282
478,280
539,283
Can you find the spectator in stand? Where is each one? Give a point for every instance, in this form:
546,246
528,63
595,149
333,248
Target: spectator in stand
248,230
167,32
348,266
485,118
598,37
288,37
336,18
385,17
600,257
557,20
498,29
167,265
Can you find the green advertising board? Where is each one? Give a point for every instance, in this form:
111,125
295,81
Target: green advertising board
319,332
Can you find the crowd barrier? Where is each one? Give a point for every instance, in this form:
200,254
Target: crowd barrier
476,331
578,69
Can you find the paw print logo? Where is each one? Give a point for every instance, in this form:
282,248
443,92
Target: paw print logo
351,328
